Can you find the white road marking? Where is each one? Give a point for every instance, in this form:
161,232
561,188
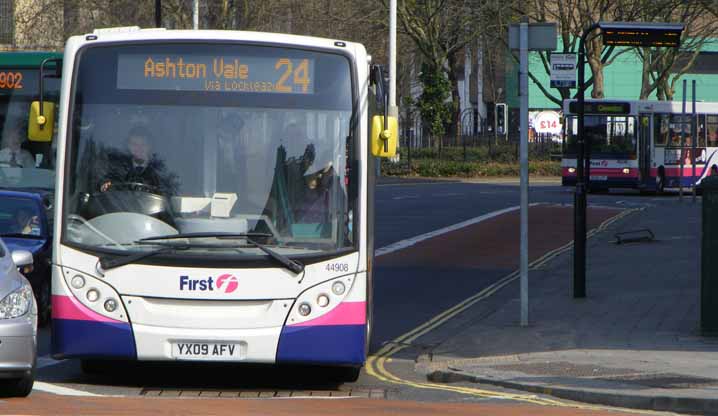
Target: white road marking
400,245
62,391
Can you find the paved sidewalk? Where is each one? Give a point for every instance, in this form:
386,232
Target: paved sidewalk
633,342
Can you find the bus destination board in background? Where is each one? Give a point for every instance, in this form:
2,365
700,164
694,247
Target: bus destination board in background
605,107
249,74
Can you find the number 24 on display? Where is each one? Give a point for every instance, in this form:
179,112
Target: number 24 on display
301,75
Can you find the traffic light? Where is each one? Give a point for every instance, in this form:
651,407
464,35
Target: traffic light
501,118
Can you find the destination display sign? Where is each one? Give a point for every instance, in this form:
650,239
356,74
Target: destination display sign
241,74
657,37
608,108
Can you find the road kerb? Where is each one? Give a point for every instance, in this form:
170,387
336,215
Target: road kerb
600,397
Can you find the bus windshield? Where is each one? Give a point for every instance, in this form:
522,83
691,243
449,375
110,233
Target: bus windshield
23,164
179,138
610,136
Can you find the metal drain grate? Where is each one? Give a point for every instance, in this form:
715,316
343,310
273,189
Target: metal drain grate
262,394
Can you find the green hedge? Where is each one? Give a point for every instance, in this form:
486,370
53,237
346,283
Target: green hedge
450,168
505,153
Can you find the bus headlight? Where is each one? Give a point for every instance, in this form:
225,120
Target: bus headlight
626,171
95,294
320,299
17,303
571,170
338,288
304,309
78,282
110,305
323,300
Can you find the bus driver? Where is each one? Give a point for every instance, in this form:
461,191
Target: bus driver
139,167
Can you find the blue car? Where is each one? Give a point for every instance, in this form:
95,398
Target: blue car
25,225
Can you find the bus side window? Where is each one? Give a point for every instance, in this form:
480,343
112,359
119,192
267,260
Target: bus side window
661,127
712,130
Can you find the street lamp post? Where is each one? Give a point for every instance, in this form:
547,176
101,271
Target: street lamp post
616,34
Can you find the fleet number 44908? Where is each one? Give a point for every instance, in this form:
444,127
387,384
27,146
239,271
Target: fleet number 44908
337,267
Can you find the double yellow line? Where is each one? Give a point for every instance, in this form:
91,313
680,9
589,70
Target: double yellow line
376,364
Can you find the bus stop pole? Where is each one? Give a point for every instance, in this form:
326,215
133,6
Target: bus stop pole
579,201
195,15
158,13
524,158
694,141
683,142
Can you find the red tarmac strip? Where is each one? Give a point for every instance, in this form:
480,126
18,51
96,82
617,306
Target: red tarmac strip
495,242
46,404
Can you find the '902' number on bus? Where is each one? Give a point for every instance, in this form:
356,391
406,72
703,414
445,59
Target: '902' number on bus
11,80
337,267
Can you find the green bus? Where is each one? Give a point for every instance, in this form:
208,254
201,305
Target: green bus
19,86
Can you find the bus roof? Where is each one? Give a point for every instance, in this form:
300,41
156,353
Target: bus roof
21,59
159,34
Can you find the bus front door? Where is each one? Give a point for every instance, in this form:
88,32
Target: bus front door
644,153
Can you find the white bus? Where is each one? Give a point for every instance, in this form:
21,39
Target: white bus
214,198
638,144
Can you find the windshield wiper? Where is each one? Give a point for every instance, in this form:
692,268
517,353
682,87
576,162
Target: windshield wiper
285,261
290,264
204,235
111,263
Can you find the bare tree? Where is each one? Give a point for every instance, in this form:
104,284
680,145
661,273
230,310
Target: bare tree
573,18
663,67
440,29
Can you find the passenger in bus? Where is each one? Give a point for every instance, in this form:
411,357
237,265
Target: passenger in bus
138,168
313,206
12,154
713,137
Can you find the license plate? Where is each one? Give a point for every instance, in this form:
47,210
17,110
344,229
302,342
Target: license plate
599,178
210,351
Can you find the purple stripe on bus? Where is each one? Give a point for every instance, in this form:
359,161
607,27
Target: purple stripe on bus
330,345
91,339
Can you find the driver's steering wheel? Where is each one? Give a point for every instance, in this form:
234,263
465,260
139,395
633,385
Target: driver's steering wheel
133,186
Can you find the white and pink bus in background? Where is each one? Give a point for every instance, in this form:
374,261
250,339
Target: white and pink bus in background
640,144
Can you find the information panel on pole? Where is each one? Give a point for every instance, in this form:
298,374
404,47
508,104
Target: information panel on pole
643,34
563,70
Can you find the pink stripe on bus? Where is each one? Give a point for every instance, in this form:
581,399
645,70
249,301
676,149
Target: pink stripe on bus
67,307
687,171
346,313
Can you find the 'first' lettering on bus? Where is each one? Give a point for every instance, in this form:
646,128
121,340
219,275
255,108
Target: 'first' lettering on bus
186,283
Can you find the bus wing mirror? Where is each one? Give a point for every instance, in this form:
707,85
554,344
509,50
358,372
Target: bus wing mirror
384,136
40,128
